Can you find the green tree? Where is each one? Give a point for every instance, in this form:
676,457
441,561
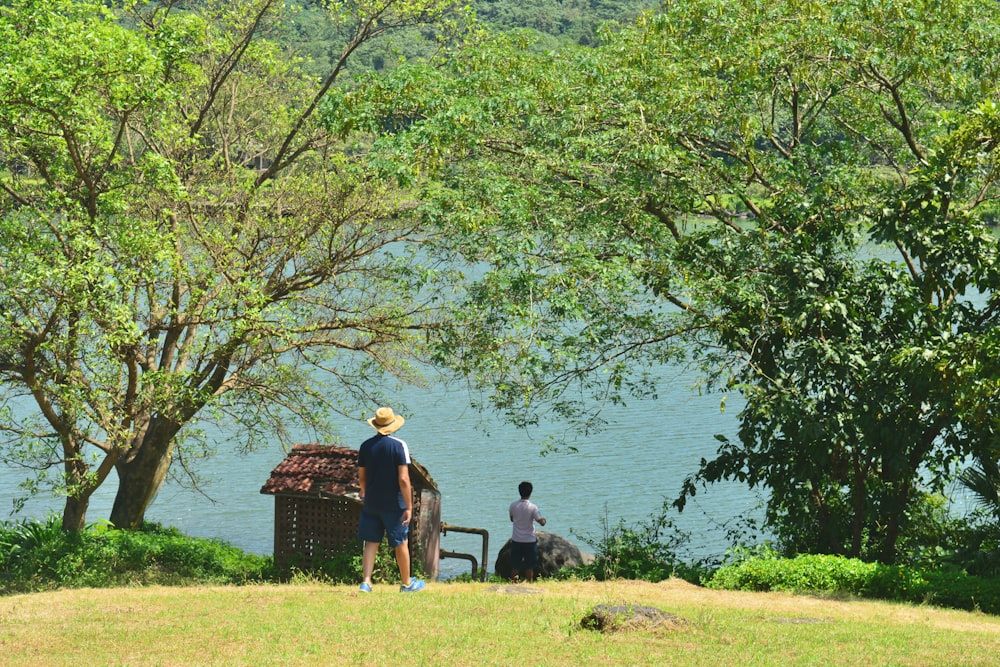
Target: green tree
182,243
983,480
793,194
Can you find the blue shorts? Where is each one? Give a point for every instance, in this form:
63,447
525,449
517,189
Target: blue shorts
524,556
376,523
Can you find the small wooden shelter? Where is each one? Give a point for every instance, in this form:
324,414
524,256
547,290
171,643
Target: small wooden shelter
317,508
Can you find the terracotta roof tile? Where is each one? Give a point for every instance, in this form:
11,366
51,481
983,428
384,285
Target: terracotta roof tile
326,470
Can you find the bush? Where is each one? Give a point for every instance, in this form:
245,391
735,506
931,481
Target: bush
647,552
40,556
950,587
810,573
836,575
346,568
977,545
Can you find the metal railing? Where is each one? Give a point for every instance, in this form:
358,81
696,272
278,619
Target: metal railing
469,557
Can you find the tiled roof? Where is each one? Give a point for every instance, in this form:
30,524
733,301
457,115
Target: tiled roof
327,470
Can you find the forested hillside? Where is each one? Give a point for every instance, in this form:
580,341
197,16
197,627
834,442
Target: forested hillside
555,22
562,20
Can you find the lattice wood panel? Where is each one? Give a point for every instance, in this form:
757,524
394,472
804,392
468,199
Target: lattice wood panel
308,530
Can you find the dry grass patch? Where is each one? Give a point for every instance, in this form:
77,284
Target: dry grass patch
476,624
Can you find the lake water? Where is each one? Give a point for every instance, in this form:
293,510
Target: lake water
622,472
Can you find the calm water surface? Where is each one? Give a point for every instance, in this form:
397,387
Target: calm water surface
623,472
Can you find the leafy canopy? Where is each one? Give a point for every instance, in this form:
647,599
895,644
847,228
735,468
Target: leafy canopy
182,244
794,195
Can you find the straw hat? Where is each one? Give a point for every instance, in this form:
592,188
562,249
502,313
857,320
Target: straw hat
385,421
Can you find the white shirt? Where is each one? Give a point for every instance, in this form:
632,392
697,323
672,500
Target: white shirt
524,514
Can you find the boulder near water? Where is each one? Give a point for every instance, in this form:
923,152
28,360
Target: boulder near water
554,553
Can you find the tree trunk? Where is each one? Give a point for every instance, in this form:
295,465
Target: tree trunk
859,502
74,516
140,478
893,524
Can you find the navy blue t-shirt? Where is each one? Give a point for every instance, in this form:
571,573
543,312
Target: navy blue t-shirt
381,456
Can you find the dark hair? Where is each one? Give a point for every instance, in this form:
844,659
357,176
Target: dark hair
525,489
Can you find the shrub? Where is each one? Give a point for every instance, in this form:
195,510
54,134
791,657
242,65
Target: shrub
940,586
346,568
801,574
40,556
648,552
977,540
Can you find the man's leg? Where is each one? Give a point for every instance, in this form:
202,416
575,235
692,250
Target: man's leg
403,560
530,561
519,562
368,561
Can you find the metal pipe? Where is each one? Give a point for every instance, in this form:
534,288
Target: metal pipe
468,557
476,531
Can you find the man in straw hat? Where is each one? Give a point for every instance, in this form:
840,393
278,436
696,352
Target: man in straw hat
384,472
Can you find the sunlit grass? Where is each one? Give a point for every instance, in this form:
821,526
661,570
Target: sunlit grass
477,624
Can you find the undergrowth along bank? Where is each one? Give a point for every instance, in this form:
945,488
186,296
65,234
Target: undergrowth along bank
38,556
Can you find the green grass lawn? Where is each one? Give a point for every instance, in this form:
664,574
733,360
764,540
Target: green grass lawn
477,624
